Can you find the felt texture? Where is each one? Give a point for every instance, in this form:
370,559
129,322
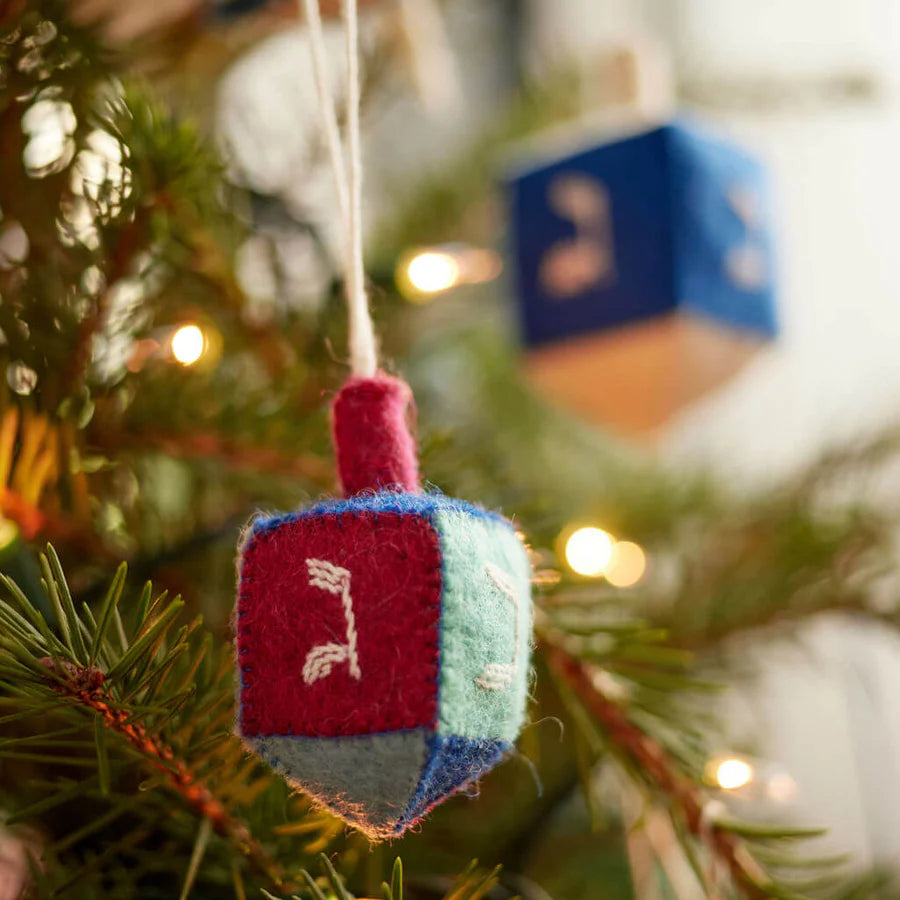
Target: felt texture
374,447
425,505
368,780
672,209
453,763
439,690
283,617
380,783
479,629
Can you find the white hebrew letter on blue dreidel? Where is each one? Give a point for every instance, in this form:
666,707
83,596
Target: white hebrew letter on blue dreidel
643,272
586,260
665,220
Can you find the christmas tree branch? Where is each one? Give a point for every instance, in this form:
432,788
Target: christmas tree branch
473,883
711,638
126,247
165,694
231,452
745,576
84,685
664,774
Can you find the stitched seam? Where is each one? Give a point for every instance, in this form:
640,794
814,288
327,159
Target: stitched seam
245,700
427,614
436,565
402,503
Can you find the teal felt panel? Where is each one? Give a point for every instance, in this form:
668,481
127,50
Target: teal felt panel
369,780
486,621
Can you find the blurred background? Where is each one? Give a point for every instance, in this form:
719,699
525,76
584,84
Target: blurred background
814,97
637,259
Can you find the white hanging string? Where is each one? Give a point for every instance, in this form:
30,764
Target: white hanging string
310,9
347,178
362,334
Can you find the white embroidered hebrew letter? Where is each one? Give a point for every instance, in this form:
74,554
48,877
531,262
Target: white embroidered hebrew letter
585,261
746,262
321,659
498,676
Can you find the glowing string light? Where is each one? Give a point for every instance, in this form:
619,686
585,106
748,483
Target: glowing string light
432,271
588,551
733,773
188,344
781,788
425,272
9,531
627,564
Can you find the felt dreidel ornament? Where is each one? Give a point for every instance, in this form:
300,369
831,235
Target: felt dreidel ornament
643,267
382,638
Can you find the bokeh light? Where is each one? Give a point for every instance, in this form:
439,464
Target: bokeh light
627,564
431,272
21,377
49,124
9,531
188,344
424,272
99,174
588,551
781,787
733,773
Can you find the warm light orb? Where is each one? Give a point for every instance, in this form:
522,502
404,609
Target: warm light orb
431,272
781,788
588,551
188,344
9,531
733,773
627,565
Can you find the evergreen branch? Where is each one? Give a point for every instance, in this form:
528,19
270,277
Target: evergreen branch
664,774
84,685
121,696
231,452
712,638
121,258
473,883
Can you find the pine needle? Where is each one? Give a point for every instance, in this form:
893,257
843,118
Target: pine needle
336,880
102,757
54,574
111,601
238,880
147,641
397,880
200,844
314,889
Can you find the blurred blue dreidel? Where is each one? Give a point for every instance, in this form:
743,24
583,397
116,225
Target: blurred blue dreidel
643,272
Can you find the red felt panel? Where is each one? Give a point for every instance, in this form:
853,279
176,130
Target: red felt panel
294,639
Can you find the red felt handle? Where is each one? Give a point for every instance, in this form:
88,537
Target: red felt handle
374,447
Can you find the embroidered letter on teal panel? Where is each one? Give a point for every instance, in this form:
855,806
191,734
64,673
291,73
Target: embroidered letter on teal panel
486,621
